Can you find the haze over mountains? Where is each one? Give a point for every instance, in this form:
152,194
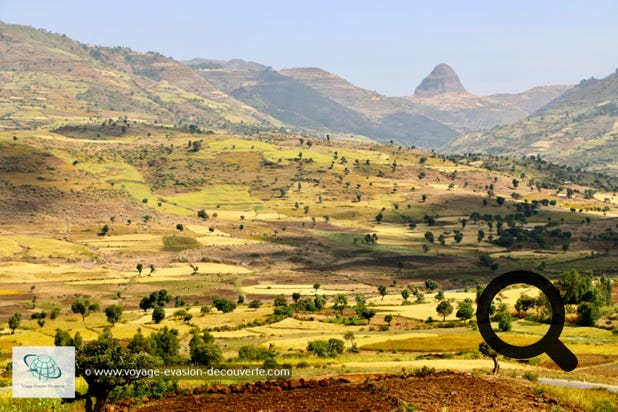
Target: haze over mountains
49,80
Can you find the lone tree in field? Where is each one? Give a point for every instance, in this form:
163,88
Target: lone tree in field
382,290
405,294
316,286
113,313
388,319
486,350
444,308
139,268
14,322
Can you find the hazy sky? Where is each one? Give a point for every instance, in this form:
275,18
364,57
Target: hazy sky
388,46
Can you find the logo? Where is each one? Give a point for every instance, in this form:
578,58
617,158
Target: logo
42,367
43,372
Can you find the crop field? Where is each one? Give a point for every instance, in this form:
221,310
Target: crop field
338,222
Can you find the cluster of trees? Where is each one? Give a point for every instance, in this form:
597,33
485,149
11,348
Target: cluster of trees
589,296
156,300
159,349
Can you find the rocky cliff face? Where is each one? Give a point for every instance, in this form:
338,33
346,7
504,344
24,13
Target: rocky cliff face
441,80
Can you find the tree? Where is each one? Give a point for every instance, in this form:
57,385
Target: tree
500,200
515,183
296,296
101,354
349,335
203,350
439,296
224,305
382,290
587,314
431,284
481,235
464,311
139,268
113,313
104,230
405,294
444,308
180,227
340,304
84,307
255,304
325,349
14,322
367,314
280,301
379,218
486,350
505,321
202,214
316,286
429,236
165,345
158,314
524,303
458,237
388,319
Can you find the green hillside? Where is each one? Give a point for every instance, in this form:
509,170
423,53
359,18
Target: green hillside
48,79
578,129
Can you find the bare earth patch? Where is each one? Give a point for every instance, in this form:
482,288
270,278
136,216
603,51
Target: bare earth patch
432,392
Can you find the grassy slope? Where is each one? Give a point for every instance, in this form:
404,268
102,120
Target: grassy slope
577,129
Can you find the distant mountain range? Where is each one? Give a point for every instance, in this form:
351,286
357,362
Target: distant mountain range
579,129
48,80
440,110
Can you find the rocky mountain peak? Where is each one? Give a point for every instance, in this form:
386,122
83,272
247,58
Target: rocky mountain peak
442,79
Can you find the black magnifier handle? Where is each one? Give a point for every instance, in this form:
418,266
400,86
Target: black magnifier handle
560,354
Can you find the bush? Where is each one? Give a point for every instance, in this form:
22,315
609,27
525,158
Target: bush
254,353
224,305
530,376
324,349
255,304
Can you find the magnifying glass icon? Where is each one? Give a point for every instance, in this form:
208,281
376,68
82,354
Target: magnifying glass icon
549,343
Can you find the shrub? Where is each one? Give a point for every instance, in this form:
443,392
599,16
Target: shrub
325,349
224,305
254,353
